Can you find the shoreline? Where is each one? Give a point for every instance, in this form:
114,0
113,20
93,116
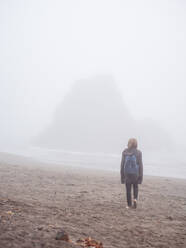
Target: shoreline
30,161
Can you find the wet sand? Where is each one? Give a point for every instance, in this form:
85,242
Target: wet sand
38,200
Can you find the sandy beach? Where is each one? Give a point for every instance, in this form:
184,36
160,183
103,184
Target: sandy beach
38,200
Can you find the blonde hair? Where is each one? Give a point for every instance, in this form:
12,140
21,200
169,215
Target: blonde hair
132,143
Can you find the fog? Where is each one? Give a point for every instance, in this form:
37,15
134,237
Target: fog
46,47
93,118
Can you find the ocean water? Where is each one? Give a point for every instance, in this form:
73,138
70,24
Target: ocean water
154,164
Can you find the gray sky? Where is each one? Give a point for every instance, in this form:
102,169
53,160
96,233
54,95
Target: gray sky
46,45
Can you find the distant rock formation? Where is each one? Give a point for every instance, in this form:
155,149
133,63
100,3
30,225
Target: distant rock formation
152,137
94,118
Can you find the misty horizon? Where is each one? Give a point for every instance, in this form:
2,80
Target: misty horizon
47,46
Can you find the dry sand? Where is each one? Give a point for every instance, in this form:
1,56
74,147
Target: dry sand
36,202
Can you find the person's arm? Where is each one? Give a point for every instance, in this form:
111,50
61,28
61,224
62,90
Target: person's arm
140,168
122,169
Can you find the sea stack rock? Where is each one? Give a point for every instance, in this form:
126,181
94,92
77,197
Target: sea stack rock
91,118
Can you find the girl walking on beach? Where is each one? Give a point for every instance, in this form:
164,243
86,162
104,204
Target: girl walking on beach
131,171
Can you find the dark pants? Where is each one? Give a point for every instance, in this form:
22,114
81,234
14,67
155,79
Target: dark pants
135,192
